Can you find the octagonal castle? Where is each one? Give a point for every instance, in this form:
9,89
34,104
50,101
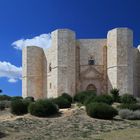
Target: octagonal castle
71,65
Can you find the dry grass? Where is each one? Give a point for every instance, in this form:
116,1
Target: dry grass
126,134
72,124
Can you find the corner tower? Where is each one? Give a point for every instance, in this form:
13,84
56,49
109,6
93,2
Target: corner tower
32,74
66,61
61,63
120,60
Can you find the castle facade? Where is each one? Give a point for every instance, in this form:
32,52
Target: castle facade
71,65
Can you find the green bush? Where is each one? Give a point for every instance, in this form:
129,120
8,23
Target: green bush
101,111
103,99
30,98
128,99
2,106
129,106
6,103
19,107
89,99
27,102
129,114
5,97
16,98
115,94
62,102
83,96
67,96
43,108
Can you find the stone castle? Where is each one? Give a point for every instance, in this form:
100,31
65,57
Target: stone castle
71,65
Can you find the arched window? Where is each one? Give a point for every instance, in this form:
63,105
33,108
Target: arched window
91,61
50,67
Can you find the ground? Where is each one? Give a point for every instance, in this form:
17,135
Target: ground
70,124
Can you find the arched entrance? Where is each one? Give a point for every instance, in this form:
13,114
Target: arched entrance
91,87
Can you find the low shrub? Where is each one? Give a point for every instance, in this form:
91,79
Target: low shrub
128,99
43,108
103,99
101,111
16,98
62,102
67,96
82,96
115,94
27,103
19,107
130,106
2,106
30,98
5,97
89,99
6,103
129,114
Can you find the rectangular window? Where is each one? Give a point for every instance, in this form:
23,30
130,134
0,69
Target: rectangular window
91,62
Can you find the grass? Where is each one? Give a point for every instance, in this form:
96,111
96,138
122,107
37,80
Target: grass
126,134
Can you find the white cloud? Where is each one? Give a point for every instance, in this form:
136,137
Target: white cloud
43,41
12,80
10,71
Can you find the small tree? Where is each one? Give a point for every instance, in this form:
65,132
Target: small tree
115,94
0,91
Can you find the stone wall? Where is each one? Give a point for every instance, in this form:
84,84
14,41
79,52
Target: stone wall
52,63
32,75
64,66
61,55
66,62
136,62
94,74
120,60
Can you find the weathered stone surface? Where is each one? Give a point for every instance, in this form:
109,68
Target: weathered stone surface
64,67
120,60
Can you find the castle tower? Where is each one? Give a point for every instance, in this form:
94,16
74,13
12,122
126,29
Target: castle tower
66,60
120,60
32,75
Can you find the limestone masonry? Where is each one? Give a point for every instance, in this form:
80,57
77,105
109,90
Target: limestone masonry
71,65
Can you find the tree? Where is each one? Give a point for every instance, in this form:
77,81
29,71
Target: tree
0,90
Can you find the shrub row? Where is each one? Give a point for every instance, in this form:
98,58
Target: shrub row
9,98
87,97
42,107
5,97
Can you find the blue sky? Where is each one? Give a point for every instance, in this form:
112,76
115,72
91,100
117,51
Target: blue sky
25,19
